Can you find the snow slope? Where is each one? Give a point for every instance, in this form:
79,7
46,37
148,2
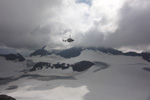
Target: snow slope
10,68
111,78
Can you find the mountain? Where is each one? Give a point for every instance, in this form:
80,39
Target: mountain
131,54
71,52
76,51
5,97
41,52
14,57
106,50
146,56
88,74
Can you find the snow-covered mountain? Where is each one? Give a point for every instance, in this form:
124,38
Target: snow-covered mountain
76,51
77,74
41,52
13,57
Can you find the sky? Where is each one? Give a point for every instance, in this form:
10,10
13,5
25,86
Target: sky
27,25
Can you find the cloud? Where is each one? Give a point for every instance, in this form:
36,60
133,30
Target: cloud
131,30
19,19
134,26
31,24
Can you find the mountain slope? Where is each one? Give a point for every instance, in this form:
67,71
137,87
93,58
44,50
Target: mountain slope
76,51
13,57
71,52
112,77
41,52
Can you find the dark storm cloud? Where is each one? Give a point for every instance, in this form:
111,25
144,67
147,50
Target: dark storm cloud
20,22
134,27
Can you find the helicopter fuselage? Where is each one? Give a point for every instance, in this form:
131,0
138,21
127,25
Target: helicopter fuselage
68,40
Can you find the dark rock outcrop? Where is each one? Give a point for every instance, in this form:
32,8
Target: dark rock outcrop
82,66
72,52
5,97
17,56
146,56
110,51
131,54
14,57
62,66
41,52
40,65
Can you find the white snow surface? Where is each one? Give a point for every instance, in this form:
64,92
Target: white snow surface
124,79
10,68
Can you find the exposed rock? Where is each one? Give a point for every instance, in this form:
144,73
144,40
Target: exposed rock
41,52
82,66
132,54
110,51
14,57
5,97
72,52
40,65
146,56
62,66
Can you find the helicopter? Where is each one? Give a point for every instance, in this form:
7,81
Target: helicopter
69,39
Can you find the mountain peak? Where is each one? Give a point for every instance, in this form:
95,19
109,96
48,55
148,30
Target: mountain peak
44,47
76,51
41,52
